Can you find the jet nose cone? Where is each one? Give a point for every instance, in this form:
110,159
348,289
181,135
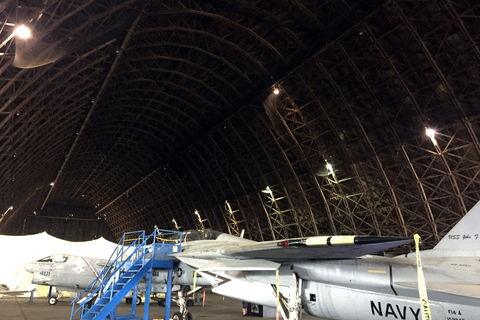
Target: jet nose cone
30,267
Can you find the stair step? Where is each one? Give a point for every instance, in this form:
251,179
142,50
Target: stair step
96,307
117,283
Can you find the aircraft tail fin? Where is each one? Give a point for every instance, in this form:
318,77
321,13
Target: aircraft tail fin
465,235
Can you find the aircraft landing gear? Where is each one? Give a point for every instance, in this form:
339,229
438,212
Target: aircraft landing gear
295,305
138,301
53,299
182,302
184,314
180,316
291,308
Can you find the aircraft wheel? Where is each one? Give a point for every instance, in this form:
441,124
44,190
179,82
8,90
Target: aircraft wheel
128,300
161,302
52,301
178,316
138,301
190,303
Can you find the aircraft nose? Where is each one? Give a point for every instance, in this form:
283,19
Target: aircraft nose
30,267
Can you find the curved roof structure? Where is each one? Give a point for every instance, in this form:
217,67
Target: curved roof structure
163,113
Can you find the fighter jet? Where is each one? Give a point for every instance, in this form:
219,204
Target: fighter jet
338,277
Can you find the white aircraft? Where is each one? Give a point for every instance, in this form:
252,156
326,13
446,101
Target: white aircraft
336,277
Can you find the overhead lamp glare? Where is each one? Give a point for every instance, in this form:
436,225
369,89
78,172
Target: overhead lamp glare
276,91
3,215
330,169
267,190
23,32
430,132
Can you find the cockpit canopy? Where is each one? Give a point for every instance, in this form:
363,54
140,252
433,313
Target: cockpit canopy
55,258
195,235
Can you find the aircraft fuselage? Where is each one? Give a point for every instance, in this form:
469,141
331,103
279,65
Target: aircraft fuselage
376,287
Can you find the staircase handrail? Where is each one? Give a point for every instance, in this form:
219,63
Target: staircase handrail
105,283
120,251
111,262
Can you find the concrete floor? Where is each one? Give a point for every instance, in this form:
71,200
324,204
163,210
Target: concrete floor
216,308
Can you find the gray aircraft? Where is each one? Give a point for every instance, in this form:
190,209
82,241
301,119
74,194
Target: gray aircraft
338,277
65,272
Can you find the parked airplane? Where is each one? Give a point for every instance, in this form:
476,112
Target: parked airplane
336,277
64,272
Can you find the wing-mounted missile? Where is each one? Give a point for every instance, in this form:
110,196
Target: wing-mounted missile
341,241
316,247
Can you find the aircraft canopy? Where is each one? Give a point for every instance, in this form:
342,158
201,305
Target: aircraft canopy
194,235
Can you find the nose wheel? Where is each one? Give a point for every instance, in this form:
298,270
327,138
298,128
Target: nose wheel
180,316
53,297
182,302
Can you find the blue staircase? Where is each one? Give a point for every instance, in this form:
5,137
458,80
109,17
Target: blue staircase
128,265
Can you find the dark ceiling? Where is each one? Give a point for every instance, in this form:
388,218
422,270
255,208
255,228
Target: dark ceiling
145,111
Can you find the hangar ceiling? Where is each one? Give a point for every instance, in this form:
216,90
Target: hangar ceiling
149,111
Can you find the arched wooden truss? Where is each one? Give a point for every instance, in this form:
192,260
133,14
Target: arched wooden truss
145,111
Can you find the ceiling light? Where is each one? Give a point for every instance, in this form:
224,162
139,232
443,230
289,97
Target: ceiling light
267,190
330,169
3,215
276,91
431,133
23,32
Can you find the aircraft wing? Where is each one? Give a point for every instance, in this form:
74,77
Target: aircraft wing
13,293
318,247
461,289
220,264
